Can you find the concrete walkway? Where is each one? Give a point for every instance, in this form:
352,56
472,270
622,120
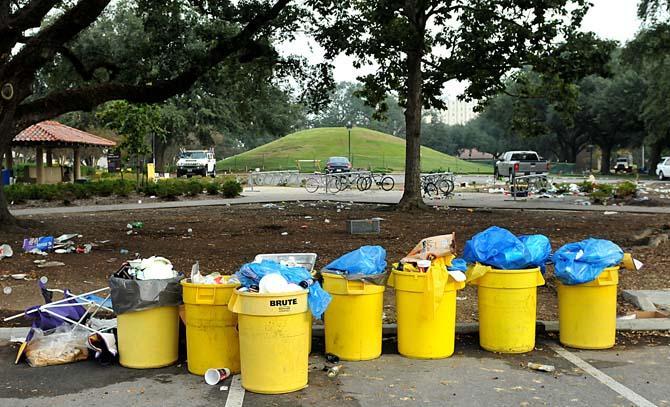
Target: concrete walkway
285,194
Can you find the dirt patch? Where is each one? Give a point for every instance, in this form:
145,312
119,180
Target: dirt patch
225,237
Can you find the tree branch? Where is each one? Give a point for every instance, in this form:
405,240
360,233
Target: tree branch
41,48
86,73
13,26
88,97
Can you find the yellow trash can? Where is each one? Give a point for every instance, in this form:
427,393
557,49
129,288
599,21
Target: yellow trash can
149,338
587,312
353,320
274,340
426,319
211,329
507,302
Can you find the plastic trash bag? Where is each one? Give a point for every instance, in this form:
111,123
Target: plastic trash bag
139,295
496,247
57,347
458,264
539,249
582,262
364,263
318,299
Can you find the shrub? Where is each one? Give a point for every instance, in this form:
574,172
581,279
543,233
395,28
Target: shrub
231,189
213,188
123,187
586,187
602,193
167,189
151,188
625,189
194,188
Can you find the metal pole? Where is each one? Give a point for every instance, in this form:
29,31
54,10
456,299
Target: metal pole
349,145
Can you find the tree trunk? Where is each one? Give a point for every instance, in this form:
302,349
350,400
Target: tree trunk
7,221
411,198
605,159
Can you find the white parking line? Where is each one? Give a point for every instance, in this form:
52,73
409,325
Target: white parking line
235,393
633,397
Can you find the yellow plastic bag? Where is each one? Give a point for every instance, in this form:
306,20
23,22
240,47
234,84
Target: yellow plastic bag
475,272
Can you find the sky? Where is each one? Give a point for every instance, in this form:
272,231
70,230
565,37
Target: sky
611,19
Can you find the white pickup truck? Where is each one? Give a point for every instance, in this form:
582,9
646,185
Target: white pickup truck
521,163
196,162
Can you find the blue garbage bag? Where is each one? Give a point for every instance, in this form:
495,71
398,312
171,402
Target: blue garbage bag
458,264
318,299
539,249
498,248
366,260
582,262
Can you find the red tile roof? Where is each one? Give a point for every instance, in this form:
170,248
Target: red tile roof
54,132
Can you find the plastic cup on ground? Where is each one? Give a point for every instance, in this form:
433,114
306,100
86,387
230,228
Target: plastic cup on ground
215,376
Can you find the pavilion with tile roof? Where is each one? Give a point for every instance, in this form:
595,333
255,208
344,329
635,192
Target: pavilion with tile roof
48,135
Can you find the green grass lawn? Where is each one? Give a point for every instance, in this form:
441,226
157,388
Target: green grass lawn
370,150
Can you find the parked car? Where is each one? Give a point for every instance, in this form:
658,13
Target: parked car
196,162
663,168
521,163
623,164
338,164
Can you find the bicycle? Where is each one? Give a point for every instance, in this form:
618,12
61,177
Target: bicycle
316,181
383,181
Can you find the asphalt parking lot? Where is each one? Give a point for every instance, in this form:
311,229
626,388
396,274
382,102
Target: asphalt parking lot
635,372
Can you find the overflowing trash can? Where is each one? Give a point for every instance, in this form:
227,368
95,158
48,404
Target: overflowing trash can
426,309
507,303
507,271
273,308
587,312
274,340
211,328
145,297
588,274
353,320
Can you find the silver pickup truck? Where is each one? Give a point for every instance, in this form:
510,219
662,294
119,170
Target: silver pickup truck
521,163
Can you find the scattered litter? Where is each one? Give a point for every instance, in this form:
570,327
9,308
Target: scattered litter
215,376
189,231
38,245
7,290
223,388
326,220
39,261
66,237
50,264
496,190
541,367
461,298
6,251
331,358
308,217
284,233
57,348
123,251
135,225
333,371
610,213
19,276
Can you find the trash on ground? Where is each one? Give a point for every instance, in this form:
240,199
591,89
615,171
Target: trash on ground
284,233
7,290
135,225
363,226
216,376
6,251
644,315
50,264
66,237
297,279
331,358
610,213
333,371
63,345
582,262
37,245
19,276
541,367
104,346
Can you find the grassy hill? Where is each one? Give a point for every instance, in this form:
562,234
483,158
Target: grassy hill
369,148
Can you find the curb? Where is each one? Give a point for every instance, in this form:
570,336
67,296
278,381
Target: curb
650,324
